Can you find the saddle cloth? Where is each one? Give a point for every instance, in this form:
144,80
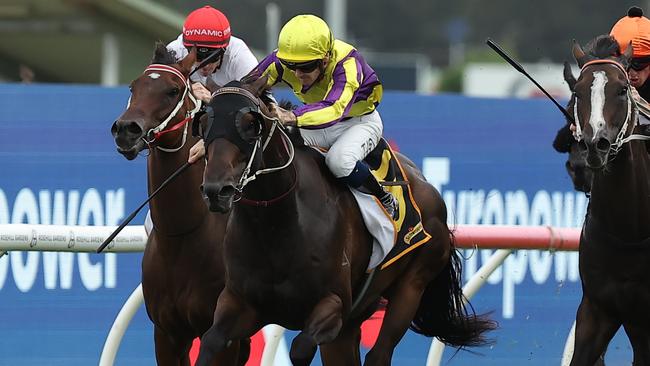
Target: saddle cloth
391,239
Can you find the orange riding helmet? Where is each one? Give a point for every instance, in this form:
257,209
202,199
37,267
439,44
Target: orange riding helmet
635,28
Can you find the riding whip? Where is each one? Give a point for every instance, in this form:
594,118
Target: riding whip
132,215
519,68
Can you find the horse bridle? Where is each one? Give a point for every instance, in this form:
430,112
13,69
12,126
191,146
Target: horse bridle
630,115
154,133
248,175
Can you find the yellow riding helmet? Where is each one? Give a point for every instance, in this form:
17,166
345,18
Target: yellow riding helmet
304,38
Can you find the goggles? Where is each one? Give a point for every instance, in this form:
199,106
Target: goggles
204,52
639,64
305,67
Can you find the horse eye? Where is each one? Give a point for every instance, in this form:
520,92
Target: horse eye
173,92
623,90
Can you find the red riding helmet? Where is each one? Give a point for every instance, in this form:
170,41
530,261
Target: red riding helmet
206,27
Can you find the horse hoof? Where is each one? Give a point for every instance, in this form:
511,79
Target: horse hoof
303,350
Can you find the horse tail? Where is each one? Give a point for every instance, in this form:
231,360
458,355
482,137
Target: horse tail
445,313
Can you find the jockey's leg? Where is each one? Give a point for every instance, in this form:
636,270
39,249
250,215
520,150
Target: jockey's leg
323,326
353,140
234,319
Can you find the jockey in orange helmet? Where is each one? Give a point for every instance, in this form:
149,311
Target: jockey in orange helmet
635,28
208,30
340,92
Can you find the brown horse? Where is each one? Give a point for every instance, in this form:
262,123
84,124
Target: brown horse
614,245
182,267
297,249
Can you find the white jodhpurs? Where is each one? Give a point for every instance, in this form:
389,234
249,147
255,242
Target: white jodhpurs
348,141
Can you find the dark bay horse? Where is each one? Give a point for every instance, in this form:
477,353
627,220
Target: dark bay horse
614,245
182,267
297,249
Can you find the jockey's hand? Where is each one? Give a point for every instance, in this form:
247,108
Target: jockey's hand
287,118
572,127
196,152
201,92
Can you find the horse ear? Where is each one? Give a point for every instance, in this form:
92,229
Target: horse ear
258,86
629,51
188,61
578,53
568,76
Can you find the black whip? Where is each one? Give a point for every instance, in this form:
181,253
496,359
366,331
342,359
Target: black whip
519,68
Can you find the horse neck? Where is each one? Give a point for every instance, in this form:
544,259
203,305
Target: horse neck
179,207
620,196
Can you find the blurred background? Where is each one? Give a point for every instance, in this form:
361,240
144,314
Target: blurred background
420,45
491,159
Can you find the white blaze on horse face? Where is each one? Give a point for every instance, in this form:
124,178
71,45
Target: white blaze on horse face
597,117
154,75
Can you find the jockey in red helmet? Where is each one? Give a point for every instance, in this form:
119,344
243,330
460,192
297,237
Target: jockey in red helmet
208,30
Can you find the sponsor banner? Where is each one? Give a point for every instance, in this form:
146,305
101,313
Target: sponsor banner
491,159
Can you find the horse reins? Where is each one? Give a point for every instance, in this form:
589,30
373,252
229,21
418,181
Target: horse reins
631,111
153,134
247,176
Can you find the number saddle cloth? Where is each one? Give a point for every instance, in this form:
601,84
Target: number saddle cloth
391,239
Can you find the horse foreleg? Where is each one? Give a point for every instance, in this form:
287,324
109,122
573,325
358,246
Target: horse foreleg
322,326
594,330
234,319
344,350
169,351
640,340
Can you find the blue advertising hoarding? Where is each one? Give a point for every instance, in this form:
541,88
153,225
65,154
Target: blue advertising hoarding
491,158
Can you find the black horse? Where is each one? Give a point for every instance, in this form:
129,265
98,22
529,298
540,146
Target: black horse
614,245
297,249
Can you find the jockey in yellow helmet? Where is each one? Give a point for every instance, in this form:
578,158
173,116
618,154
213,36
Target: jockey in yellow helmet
340,92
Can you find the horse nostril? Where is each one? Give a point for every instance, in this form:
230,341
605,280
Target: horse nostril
114,129
126,127
603,144
134,128
227,191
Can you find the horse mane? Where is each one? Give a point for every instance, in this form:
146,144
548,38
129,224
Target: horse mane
161,55
602,47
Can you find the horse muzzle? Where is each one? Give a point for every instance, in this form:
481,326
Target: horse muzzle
128,135
597,153
218,198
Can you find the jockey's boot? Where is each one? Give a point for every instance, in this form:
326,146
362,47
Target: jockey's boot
371,186
361,179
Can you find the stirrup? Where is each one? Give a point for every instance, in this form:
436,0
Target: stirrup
391,205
